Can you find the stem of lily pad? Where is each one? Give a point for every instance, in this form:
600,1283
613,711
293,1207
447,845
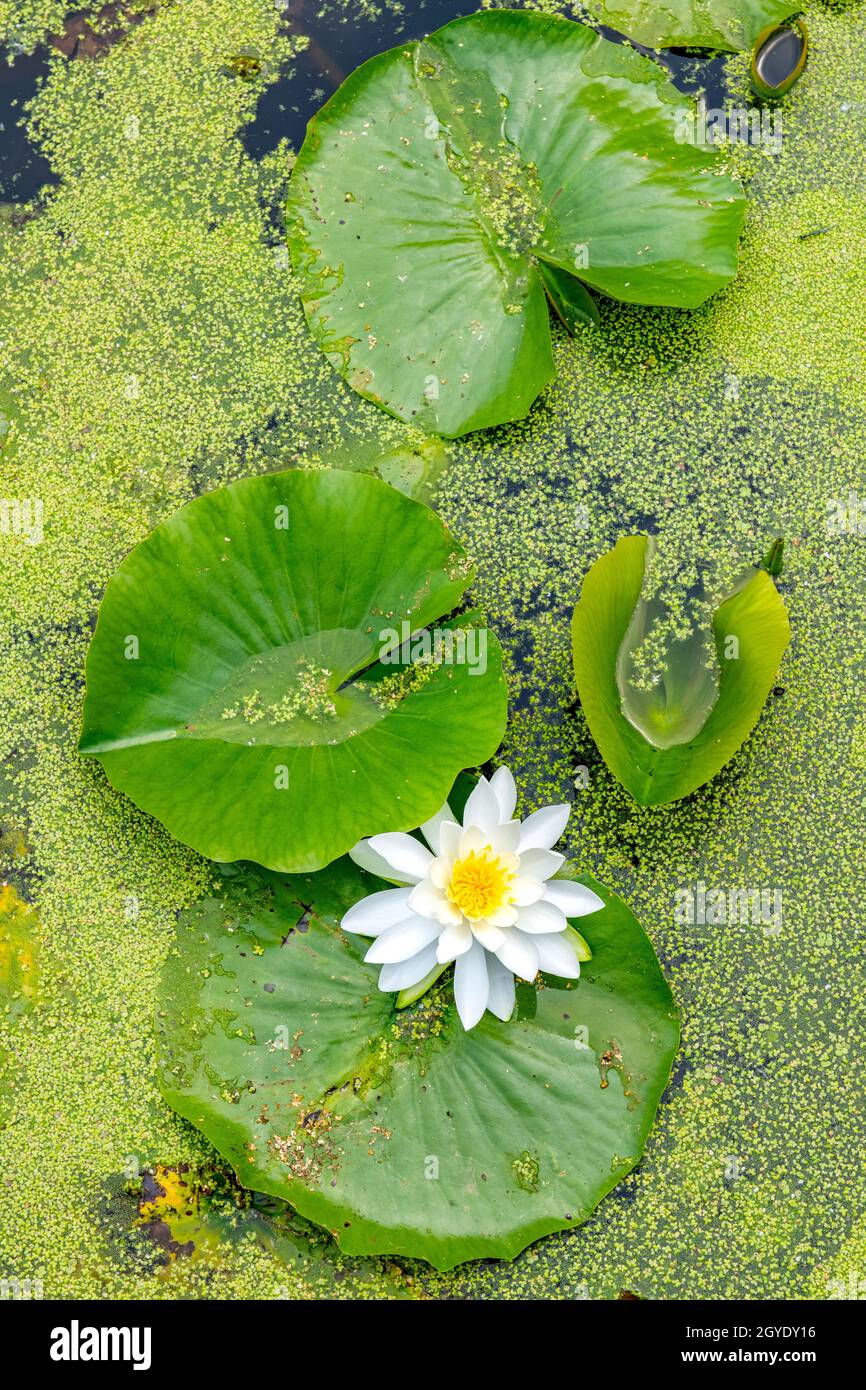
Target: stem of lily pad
579,943
409,996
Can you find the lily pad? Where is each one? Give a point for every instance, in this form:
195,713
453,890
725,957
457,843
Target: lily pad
729,25
778,59
443,175
663,745
234,687
397,1130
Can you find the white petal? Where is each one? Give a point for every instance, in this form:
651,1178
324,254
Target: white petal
504,839
403,941
426,899
490,936
518,953
429,899
540,863
439,874
472,838
404,853
432,828
449,842
471,985
525,890
482,807
571,898
556,955
403,974
502,917
367,858
500,998
541,917
449,914
454,941
503,788
378,911
543,828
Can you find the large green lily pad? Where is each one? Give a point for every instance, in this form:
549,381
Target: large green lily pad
443,175
397,1130
233,683
666,746
729,25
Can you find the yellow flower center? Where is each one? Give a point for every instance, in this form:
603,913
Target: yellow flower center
480,884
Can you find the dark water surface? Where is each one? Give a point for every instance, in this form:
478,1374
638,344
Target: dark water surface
23,170
339,43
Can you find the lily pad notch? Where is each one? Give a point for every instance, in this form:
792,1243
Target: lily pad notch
450,186
250,683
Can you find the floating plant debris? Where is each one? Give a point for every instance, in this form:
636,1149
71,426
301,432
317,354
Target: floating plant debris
816,231
246,66
19,953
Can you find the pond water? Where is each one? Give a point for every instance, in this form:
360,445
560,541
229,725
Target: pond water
23,170
337,45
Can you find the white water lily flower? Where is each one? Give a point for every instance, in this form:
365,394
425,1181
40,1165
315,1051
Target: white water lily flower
483,895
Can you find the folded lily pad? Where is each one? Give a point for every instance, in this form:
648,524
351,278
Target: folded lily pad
443,175
398,1131
729,25
778,59
234,687
665,743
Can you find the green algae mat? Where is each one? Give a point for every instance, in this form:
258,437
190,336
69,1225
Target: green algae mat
155,348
